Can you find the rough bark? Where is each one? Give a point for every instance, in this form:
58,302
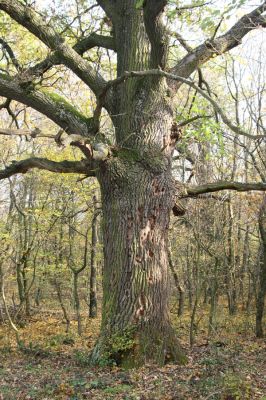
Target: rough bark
138,194
136,210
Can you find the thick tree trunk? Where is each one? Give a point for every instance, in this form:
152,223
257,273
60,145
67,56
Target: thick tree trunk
137,197
136,209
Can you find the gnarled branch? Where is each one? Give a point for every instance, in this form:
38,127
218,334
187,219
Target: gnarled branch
28,18
62,167
211,48
83,45
28,133
54,107
222,185
11,54
94,40
158,72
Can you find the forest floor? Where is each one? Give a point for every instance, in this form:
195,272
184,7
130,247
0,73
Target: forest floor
231,365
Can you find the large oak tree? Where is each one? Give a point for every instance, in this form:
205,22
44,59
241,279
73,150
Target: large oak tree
138,189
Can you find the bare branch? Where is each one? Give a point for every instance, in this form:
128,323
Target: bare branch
192,119
28,18
85,44
25,132
207,196
95,151
6,105
63,167
11,54
183,42
160,73
186,153
222,185
191,6
211,48
94,40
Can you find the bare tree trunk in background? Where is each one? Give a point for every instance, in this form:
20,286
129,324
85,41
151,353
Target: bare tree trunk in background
75,273
93,271
61,302
178,286
231,265
262,271
198,288
244,269
214,286
189,279
77,301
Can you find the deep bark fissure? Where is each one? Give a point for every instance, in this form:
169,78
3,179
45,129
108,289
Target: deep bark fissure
136,212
